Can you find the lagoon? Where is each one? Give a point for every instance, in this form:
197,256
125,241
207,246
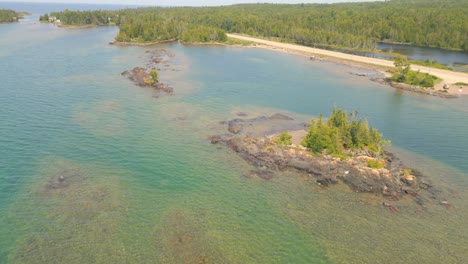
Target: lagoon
148,185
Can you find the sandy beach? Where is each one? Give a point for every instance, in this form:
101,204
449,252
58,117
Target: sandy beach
448,77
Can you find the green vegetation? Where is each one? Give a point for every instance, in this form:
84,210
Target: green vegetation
407,172
83,18
375,163
154,75
7,16
404,74
143,25
431,63
152,78
461,83
339,135
284,139
436,23
44,18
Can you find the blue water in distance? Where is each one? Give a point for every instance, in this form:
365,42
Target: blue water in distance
151,187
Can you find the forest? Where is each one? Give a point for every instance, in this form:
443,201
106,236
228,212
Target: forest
7,15
428,23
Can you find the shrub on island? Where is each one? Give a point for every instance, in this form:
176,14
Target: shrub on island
340,135
284,138
404,74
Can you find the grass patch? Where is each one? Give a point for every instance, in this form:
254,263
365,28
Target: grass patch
233,41
375,164
431,63
461,83
284,139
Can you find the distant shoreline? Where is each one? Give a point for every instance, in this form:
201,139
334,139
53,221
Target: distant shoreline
379,65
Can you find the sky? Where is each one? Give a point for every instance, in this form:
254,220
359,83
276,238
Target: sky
184,2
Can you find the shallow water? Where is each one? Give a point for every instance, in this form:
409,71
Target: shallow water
142,182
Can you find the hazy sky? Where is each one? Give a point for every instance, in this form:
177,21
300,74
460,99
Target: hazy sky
183,2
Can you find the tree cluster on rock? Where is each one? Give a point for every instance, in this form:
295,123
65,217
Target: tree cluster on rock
357,159
340,135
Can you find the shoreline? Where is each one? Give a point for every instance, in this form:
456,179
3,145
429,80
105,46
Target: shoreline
379,65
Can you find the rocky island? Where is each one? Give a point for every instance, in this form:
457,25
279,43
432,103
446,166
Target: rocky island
149,76
332,152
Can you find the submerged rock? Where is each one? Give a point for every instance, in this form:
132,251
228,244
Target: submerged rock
263,125
262,174
280,117
141,77
181,237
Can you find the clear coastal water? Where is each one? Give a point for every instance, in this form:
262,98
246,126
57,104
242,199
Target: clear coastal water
150,188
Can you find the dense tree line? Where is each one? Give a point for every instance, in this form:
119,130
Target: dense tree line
7,15
84,18
160,24
432,23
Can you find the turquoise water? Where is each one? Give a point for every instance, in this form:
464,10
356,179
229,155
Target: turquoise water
148,187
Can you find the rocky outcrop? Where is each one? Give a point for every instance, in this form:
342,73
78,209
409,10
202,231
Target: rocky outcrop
392,181
141,75
263,152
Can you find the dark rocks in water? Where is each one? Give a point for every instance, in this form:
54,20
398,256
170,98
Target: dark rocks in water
235,129
280,122
326,180
137,75
242,114
157,60
182,237
163,87
391,182
262,174
235,126
361,74
364,179
263,153
215,139
392,208
64,179
278,116
140,76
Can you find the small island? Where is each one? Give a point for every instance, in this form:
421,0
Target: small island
148,76
342,149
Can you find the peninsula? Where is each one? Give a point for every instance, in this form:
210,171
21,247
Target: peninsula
449,78
349,26
7,16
